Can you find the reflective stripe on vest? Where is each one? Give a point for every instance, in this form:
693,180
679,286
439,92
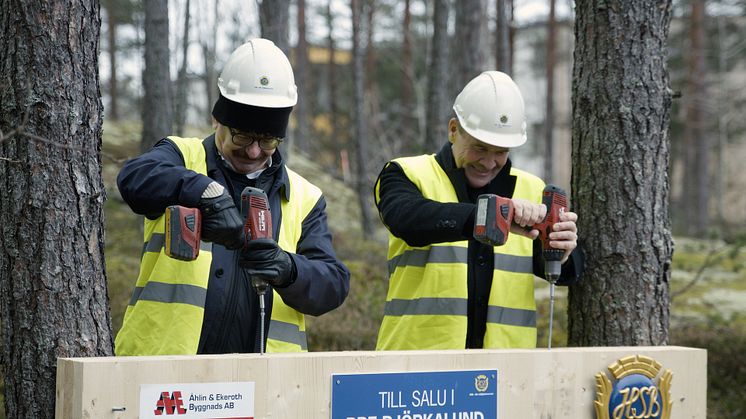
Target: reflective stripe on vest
426,305
166,310
287,327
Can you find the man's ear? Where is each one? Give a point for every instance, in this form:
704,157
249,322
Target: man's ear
452,129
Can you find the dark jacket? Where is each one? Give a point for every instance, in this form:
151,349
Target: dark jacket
158,178
421,222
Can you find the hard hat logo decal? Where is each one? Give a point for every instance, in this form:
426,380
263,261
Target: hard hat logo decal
503,121
264,80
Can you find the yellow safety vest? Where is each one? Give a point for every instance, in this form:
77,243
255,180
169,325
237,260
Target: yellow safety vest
426,305
165,313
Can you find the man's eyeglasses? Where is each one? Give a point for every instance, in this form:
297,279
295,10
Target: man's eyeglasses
242,140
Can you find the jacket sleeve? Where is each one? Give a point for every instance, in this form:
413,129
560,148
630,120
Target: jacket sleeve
157,178
322,281
417,220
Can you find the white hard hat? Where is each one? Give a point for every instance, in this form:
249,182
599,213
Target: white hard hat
259,74
490,108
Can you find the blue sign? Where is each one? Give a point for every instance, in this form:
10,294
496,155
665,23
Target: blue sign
415,395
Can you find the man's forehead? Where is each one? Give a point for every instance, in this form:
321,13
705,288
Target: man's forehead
488,147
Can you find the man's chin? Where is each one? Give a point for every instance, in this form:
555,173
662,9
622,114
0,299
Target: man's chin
478,181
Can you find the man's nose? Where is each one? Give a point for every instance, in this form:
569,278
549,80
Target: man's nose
253,150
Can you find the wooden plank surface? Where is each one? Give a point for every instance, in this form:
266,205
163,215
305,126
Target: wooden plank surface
539,383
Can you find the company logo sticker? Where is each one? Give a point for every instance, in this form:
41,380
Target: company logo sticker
639,391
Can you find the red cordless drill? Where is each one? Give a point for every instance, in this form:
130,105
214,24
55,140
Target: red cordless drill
492,225
258,225
555,199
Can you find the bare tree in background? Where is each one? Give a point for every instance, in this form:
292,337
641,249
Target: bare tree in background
274,18
111,31
120,12
208,43
53,297
302,80
337,146
694,200
621,103
437,83
469,44
407,121
361,129
157,110
502,37
549,116
182,99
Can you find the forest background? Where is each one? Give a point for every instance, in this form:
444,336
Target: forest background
394,39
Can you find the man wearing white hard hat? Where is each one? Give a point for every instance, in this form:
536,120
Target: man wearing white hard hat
446,289
208,305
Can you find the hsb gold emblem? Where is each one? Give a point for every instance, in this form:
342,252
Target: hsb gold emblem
635,394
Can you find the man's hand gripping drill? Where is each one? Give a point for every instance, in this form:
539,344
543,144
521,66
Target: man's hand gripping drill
496,217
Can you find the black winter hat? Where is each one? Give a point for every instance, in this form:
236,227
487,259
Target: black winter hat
251,119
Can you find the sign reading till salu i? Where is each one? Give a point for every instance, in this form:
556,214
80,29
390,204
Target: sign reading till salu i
415,395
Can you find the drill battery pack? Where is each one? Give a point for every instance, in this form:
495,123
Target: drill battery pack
493,219
183,232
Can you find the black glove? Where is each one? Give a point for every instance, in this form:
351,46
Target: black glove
264,260
221,222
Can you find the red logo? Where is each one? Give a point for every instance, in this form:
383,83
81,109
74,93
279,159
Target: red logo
170,404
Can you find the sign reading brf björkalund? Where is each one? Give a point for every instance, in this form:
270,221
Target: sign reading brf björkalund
415,395
640,390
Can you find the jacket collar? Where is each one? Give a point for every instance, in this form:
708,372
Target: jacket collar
276,175
503,184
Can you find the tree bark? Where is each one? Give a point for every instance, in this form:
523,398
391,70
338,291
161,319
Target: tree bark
157,111
621,102
437,82
361,130
53,297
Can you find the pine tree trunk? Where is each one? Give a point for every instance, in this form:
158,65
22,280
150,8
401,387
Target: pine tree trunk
549,116
469,44
302,140
182,86
502,34
113,111
53,300
621,102
361,129
157,111
210,78
437,82
274,18
695,198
